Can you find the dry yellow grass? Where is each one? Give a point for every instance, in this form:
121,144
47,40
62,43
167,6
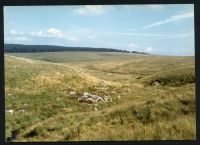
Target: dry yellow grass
142,112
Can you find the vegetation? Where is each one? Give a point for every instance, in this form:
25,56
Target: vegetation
38,87
19,48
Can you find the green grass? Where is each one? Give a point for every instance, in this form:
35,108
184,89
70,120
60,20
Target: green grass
143,112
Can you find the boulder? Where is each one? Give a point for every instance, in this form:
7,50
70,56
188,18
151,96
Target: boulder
91,98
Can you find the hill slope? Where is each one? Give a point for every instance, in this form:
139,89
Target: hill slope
45,110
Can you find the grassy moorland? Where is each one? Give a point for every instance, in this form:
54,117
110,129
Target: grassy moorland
38,87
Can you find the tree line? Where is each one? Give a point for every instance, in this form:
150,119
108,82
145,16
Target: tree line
20,48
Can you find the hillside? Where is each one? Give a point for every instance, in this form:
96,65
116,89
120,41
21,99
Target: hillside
139,110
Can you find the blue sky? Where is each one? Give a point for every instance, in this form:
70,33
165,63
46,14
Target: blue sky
156,29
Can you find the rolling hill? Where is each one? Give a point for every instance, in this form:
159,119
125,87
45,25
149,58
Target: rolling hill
43,91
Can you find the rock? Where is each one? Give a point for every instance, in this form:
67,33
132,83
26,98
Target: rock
119,97
106,98
156,84
9,94
25,104
85,93
10,111
91,98
100,99
95,109
89,101
72,93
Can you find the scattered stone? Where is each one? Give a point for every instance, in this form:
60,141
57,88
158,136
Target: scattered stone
91,98
72,93
9,94
119,97
25,104
85,93
10,111
106,98
156,84
95,109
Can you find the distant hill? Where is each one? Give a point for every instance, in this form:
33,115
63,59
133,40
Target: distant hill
20,48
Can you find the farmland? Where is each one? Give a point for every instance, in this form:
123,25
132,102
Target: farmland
152,96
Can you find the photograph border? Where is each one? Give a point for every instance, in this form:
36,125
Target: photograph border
103,2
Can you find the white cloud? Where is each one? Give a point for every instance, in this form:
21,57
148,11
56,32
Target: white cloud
92,10
38,34
156,7
80,11
15,32
172,18
21,38
52,32
133,46
16,39
149,49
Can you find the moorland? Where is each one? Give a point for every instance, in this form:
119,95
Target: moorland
151,97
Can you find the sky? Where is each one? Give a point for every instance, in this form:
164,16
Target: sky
156,29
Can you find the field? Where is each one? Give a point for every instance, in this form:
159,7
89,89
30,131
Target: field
152,96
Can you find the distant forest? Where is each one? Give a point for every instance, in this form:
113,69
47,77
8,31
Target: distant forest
20,48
